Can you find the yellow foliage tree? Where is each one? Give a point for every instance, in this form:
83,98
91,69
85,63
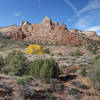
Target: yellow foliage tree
34,49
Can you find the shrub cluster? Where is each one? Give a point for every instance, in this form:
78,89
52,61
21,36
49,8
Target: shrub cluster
1,61
92,48
76,53
24,80
17,63
94,73
44,69
47,51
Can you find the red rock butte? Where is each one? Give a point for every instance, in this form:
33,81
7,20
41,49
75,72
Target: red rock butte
48,31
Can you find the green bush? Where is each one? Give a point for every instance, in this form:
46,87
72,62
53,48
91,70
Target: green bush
95,73
97,57
17,63
49,70
93,48
44,69
76,53
24,80
47,51
83,72
35,67
1,61
5,70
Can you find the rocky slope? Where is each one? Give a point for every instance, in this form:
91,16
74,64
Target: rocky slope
49,32
70,85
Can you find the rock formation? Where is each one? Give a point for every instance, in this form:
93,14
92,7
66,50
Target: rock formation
47,31
88,34
12,31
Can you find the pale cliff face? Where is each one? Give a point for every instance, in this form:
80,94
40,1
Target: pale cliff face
89,34
9,28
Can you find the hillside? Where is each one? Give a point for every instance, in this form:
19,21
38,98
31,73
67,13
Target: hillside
67,70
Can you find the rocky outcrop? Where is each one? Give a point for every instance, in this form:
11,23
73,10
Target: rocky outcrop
92,35
47,31
12,31
87,34
50,32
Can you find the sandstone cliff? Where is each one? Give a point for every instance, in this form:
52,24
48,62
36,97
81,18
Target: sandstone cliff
87,34
48,31
12,31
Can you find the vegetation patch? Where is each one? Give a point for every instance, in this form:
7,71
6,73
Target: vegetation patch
45,69
17,63
34,49
24,80
76,53
1,61
94,73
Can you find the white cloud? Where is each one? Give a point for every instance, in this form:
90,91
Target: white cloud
17,14
82,23
94,28
87,20
87,16
73,7
92,5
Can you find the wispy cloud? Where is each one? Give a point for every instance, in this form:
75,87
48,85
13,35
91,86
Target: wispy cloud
87,16
17,14
94,28
91,5
73,7
87,20
82,22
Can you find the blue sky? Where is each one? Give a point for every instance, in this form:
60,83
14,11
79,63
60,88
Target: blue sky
77,14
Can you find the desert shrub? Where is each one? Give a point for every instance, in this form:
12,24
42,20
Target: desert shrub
17,63
47,51
44,69
94,73
28,92
1,61
92,48
76,53
89,47
5,69
83,72
35,67
24,80
49,70
97,57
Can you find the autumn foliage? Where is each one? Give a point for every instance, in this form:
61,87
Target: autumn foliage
34,49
